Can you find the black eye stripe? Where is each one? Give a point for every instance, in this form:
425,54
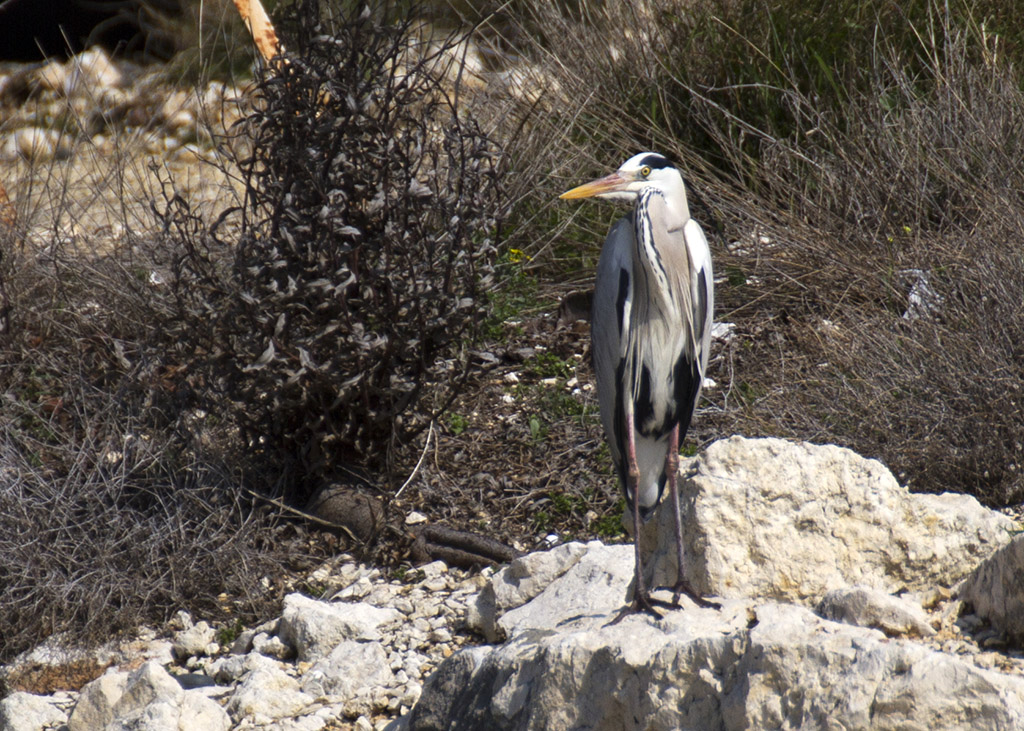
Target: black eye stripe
656,162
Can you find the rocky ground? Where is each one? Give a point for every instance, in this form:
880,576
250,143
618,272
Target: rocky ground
355,657
859,615
357,647
89,142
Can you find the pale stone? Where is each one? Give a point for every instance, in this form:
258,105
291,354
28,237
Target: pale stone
52,76
27,712
595,585
350,666
95,707
752,664
995,590
91,71
144,686
193,640
792,520
32,143
268,694
157,716
201,713
271,646
867,607
434,569
523,579
314,627
233,668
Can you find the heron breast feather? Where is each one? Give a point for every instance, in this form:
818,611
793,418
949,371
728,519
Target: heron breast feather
663,390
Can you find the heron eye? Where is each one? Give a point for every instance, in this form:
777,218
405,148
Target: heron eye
645,171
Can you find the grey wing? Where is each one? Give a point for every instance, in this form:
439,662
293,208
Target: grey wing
613,292
703,290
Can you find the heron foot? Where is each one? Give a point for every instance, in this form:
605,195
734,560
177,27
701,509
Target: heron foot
683,587
646,604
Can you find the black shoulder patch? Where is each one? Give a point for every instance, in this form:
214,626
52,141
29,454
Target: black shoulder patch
686,383
656,161
642,405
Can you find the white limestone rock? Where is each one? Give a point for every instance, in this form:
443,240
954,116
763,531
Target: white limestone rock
267,695
123,700
752,664
92,71
233,668
194,640
519,582
157,716
95,707
194,712
866,607
272,646
792,520
314,627
597,584
22,711
149,684
350,666
995,590
33,143
51,76
200,712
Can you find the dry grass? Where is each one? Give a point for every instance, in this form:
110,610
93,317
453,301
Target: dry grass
865,223
113,514
835,194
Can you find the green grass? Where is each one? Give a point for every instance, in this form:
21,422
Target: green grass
228,633
457,423
515,294
548,365
609,525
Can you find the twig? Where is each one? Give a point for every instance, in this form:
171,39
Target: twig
260,28
308,516
416,469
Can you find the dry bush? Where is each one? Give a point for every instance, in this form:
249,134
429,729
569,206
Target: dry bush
863,214
340,323
108,517
111,513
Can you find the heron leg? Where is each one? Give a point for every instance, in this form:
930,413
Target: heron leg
642,601
682,586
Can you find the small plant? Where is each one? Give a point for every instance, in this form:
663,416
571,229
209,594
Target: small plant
563,504
457,423
548,365
513,295
312,589
228,633
609,525
538,429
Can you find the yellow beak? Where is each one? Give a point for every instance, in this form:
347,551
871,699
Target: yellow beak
607,184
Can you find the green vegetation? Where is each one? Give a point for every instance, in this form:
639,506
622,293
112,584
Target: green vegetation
609,526
228,633
457,423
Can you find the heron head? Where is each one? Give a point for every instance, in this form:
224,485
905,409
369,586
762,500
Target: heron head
646,170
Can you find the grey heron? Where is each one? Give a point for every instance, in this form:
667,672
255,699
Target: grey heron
650,333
